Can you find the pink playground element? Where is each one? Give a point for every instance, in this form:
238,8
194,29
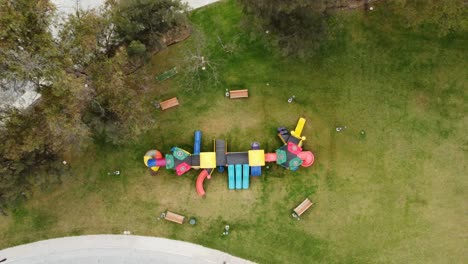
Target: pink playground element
307,158
270,157
182,168
199,184
160,162
293,148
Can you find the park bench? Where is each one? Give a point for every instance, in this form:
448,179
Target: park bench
300,209
169,103
234,94
174,217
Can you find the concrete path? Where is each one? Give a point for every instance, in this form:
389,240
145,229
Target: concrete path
199,3
114,249
68,6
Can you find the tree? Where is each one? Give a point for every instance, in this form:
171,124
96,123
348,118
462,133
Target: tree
136,49
24,24
198,69
80,38
33,140
62,107
27,50
117,100
299,25
25,154
147,20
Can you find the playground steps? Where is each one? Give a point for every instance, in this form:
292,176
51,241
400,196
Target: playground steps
220,148
234,94
173,217
300,209
238,176
231,179
169,103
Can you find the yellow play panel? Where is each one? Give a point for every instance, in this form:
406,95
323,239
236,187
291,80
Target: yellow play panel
207,160
257,157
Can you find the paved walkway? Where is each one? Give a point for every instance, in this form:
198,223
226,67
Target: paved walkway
68,6
199,3
114,249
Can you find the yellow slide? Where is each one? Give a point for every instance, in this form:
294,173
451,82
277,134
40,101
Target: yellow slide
299,127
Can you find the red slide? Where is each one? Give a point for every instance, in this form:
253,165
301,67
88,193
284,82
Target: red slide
199,185
307,158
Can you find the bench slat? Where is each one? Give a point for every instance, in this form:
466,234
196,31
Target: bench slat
300,209
169,103
233,94
174,217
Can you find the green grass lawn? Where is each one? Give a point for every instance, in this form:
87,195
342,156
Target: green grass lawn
394,195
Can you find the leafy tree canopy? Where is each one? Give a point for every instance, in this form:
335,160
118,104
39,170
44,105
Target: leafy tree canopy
147,20
299,25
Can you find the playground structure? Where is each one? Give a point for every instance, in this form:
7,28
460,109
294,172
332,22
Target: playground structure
240,165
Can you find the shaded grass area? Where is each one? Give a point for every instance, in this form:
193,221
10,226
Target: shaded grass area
396,194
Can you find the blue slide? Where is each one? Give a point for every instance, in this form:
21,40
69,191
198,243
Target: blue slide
238,176
197,143
231,177
245,177
256,170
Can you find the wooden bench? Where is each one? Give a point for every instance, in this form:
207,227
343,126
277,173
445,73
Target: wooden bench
174,217
300,209
169,103
234,94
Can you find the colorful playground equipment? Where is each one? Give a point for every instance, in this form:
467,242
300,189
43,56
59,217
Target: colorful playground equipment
240,165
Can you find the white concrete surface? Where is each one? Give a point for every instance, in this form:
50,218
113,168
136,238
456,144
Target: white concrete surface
68,6
114,249
199,3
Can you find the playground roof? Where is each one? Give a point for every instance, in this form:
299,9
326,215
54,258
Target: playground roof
257,157
289,138
220,152
207,160
237,158
195,160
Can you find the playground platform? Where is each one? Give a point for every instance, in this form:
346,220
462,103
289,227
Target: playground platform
237,158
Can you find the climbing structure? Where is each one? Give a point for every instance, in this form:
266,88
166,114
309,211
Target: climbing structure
240,165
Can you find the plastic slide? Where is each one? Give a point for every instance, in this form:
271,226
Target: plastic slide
199,184
299,127
307,158
156,162
270,157
231,176
197,143
255,170
238,176
245,177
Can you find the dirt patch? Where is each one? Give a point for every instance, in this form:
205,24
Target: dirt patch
422,100
176,35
